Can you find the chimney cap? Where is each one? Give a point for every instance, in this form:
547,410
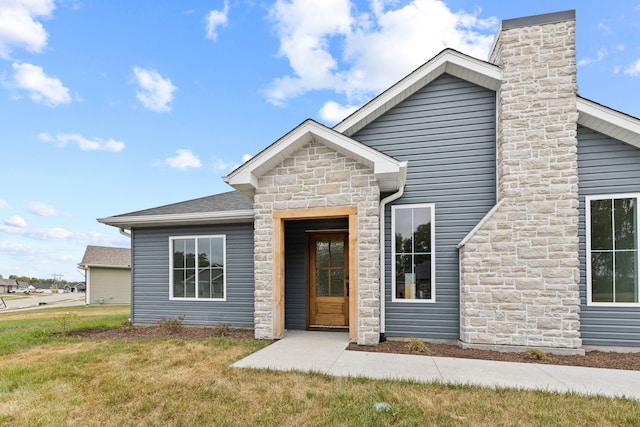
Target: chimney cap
547,18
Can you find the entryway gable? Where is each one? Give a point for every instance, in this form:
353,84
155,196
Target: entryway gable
389,172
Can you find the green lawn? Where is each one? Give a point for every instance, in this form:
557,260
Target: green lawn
60,381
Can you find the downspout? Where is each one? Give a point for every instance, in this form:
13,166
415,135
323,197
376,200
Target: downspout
383,204
124,233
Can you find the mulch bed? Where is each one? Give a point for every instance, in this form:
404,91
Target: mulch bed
595,359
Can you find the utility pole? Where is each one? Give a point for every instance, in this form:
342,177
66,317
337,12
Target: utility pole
58,277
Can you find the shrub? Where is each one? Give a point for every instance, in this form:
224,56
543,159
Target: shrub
416,345
173,324
537,354
221,330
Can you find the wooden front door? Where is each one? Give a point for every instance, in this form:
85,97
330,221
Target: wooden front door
328,279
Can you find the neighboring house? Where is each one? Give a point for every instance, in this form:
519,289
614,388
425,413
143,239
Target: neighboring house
7,285
74,287
485,203
42,287
107,274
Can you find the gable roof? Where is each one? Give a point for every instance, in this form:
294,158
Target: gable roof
226,207
103,256
389,172
448,61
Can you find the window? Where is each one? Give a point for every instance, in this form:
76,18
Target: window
413,251
200,277
612,249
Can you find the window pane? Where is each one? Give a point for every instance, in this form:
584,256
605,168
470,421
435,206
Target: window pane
204,252
217,281
602,276
190,283
423,276
625,223
190,253
178,253
217,252
404,230
322,254
337,283
601,229
337,253
405,279
422,231
178,283
204,283
322,282
626,276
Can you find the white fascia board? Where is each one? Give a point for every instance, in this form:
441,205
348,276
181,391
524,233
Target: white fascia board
609,122
448,61
226,217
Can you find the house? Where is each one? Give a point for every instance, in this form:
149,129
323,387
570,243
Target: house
74,287
7,285
478,202
107,274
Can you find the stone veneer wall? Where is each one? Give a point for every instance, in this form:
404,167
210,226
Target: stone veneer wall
520,269
318,177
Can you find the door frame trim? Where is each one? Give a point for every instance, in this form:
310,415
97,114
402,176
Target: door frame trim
279,218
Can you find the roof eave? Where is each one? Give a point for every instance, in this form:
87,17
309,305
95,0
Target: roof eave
609,122
224,217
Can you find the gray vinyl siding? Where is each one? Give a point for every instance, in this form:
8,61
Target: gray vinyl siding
446,131
150,277
295,275
605,166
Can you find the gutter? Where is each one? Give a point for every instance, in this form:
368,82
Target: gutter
383,203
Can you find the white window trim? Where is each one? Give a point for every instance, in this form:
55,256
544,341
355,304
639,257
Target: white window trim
432,206
224,270
587,227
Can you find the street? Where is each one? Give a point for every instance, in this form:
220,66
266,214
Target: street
19,302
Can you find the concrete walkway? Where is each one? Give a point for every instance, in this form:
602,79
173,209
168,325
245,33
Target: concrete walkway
326,352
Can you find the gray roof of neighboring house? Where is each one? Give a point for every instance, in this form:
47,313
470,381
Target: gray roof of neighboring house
230,201
8,282
103,256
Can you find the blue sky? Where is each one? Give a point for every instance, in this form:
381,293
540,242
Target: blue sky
108,107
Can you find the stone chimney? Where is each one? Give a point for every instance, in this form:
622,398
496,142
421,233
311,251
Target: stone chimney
520,268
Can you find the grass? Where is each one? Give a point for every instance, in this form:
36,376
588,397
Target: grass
59,381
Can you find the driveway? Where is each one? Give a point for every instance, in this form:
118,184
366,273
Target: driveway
19,302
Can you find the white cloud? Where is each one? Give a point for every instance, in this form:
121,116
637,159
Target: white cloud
216,19
43,209
4,204
246,157
600,55
332,112
633,70
42,88
183,161
61,234
330,46
154,91
20,26
16,221
97,144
